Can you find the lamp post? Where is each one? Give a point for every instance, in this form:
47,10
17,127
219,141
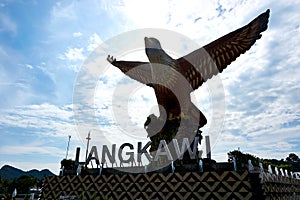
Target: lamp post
68,147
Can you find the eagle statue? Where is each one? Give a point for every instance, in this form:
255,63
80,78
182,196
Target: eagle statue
174,79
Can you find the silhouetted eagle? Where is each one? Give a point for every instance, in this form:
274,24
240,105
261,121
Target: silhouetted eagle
169,76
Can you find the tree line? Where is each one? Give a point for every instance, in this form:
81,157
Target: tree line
22,185
291,163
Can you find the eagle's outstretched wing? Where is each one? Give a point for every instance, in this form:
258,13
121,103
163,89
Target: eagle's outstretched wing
140,71
152,74
202,64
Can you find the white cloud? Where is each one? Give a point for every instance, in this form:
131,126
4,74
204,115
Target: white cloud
29,149
126,105
46,119
145,13
77,34
7,24
94,42
74,54
3,52
63,11
29,66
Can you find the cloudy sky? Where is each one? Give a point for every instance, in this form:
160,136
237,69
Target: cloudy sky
47,47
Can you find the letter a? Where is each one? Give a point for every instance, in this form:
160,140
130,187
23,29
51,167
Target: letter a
90,157
163,144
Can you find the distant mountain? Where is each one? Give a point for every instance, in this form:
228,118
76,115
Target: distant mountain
11,173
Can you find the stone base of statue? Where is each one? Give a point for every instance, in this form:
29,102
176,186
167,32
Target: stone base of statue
176,128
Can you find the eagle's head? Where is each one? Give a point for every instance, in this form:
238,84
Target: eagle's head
152,43
154,51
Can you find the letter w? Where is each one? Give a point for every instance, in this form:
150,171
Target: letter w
185,146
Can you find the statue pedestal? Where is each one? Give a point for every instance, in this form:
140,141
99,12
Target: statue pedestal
176,128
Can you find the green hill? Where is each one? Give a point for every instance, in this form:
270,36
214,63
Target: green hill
11,173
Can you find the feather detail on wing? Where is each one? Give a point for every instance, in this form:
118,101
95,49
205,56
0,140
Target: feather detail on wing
140,71
202,64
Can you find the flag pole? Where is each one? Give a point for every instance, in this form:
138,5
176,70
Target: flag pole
87,145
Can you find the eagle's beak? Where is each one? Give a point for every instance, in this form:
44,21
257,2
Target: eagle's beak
152,43
147,41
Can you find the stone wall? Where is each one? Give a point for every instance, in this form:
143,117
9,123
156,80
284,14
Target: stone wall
191,185
280,187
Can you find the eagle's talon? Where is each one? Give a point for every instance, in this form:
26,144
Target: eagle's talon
111,59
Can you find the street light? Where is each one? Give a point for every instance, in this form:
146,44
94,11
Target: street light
68,147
